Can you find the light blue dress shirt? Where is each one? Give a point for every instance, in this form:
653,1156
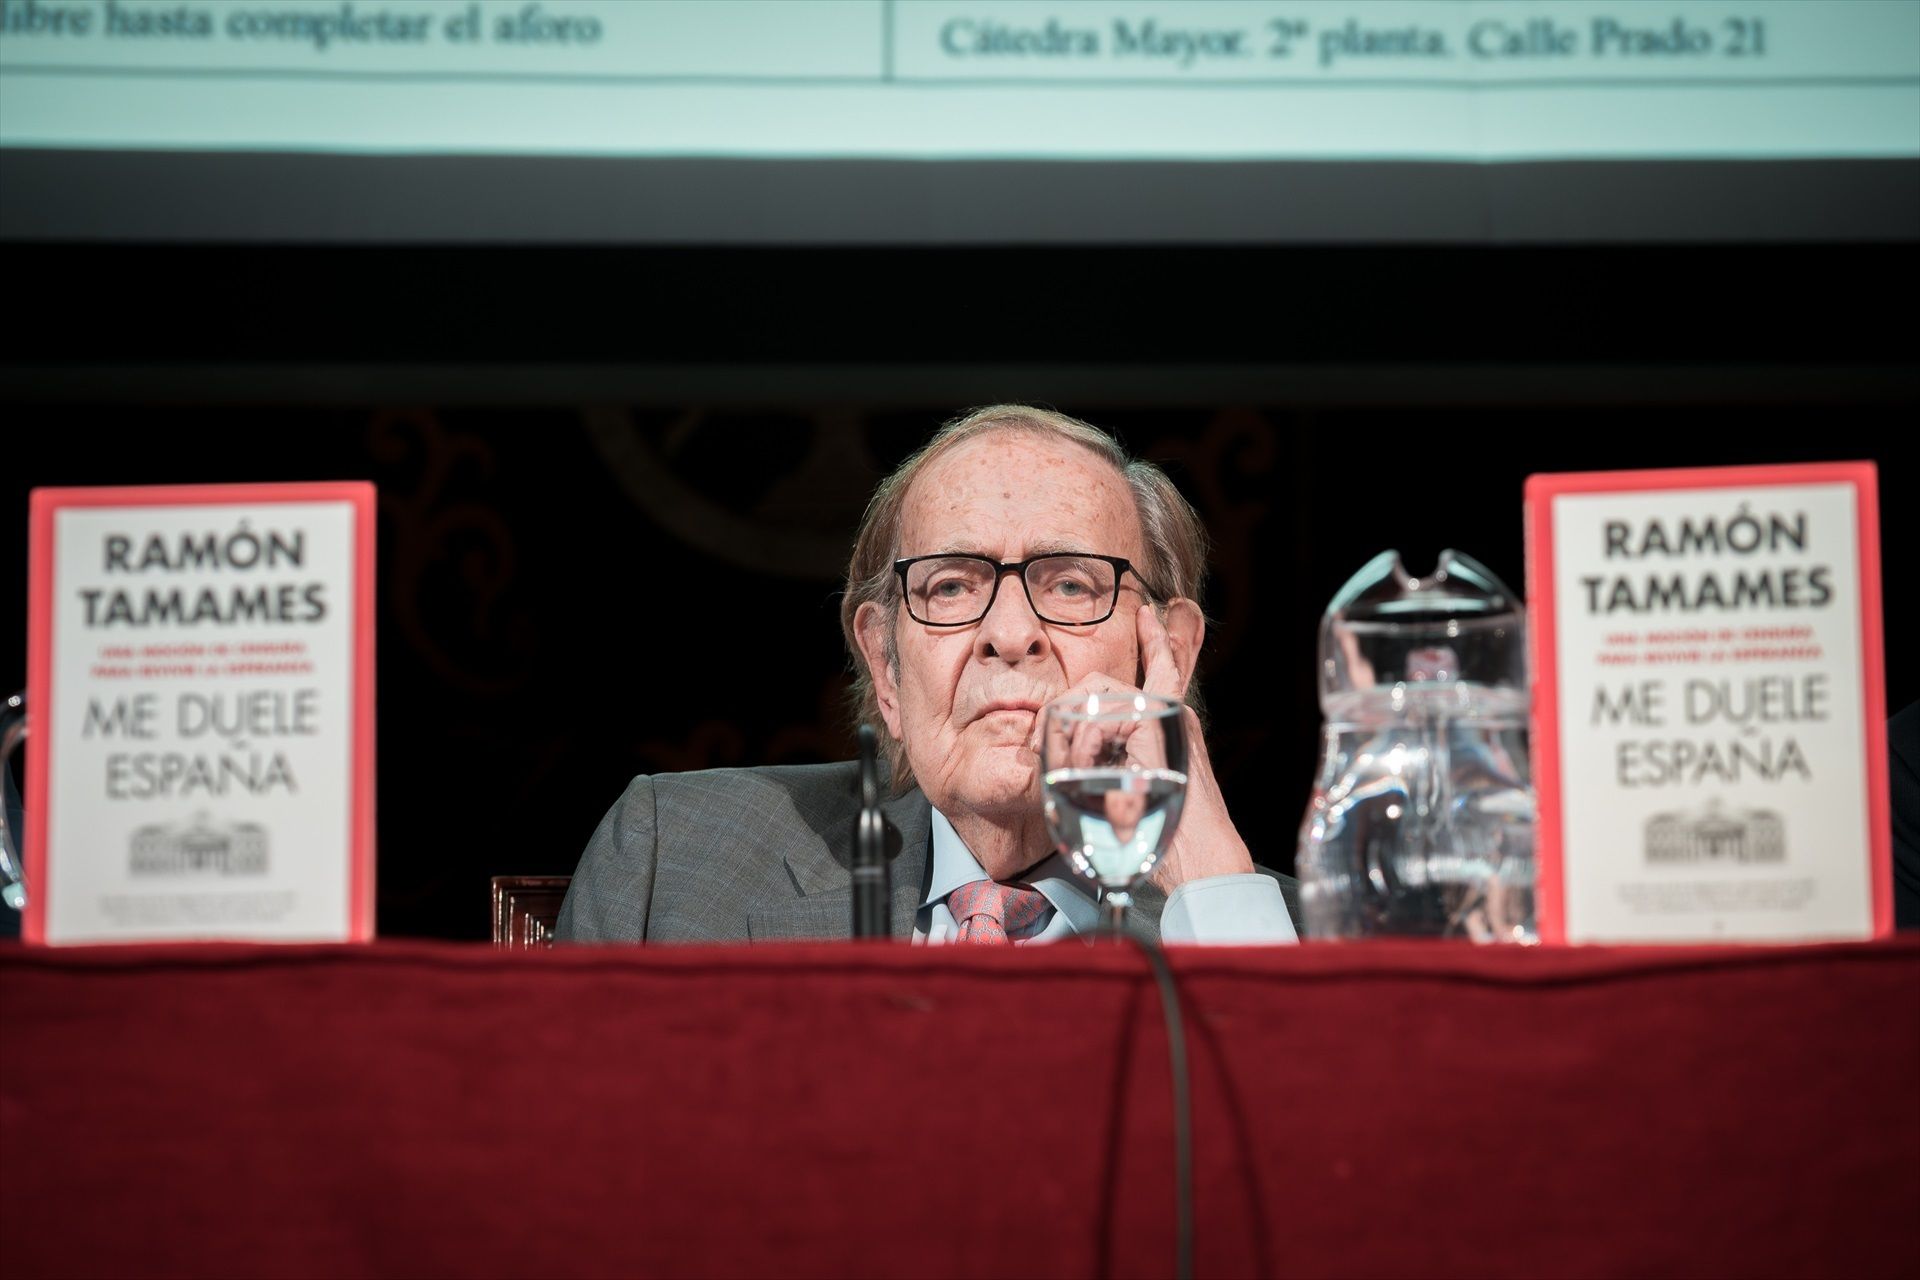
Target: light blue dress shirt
1234,910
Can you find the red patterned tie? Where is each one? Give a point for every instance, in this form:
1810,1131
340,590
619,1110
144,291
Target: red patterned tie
990,912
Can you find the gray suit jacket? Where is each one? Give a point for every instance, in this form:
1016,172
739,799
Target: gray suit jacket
738,855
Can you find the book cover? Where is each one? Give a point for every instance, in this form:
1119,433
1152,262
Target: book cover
1709,704
200,694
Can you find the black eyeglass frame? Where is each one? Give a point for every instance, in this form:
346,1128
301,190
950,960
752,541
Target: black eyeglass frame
1121,567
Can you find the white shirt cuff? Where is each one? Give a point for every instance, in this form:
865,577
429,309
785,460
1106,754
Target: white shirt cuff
1235,910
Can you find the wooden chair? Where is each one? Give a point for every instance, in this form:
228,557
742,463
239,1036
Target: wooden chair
524,909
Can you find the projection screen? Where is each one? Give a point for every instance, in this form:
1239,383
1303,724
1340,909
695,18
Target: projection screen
953,121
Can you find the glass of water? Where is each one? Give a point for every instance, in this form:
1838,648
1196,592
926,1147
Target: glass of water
1113,773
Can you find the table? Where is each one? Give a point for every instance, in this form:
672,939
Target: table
1390,1109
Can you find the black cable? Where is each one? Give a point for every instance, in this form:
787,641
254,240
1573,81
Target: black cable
1182,1097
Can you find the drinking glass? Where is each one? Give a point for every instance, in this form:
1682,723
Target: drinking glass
1113,773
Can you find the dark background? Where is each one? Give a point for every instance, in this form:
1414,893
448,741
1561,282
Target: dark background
617,484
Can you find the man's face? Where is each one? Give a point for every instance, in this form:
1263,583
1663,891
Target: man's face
963,699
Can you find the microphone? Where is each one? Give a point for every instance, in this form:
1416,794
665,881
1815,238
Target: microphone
870,887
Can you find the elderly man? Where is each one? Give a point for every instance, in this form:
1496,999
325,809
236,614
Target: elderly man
757,854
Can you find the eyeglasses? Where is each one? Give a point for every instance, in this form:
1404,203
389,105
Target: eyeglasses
1068,589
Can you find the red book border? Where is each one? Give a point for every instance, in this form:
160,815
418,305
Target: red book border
1541,490
44,503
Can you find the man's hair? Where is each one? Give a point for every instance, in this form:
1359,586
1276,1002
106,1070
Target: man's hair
1175,541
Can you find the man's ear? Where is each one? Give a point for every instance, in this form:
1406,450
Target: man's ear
870,623
1186,632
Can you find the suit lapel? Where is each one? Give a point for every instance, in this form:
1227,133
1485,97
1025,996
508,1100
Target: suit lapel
1148,903
912,864
823,903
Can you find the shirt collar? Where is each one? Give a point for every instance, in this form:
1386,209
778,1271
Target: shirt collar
954,865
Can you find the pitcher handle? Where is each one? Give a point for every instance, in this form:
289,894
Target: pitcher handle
13,876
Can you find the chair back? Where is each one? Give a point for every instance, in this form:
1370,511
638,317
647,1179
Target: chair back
524,910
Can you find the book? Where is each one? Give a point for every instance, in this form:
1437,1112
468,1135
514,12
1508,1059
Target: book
200,700
1709,704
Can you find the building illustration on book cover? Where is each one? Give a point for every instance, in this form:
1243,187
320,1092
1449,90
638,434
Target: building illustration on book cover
199,847
1710,835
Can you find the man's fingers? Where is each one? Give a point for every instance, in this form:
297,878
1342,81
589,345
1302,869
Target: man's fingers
1160,664
1156,655
1092,682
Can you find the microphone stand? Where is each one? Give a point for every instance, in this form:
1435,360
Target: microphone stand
871,907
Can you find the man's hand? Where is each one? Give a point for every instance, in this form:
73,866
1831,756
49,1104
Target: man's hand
1206,842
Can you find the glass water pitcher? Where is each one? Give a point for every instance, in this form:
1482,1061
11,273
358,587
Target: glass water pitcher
1422,818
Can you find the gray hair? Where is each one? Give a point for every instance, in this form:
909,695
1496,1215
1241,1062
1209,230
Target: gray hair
1175,541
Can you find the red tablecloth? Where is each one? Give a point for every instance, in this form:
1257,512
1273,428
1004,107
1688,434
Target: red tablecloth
413,1109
